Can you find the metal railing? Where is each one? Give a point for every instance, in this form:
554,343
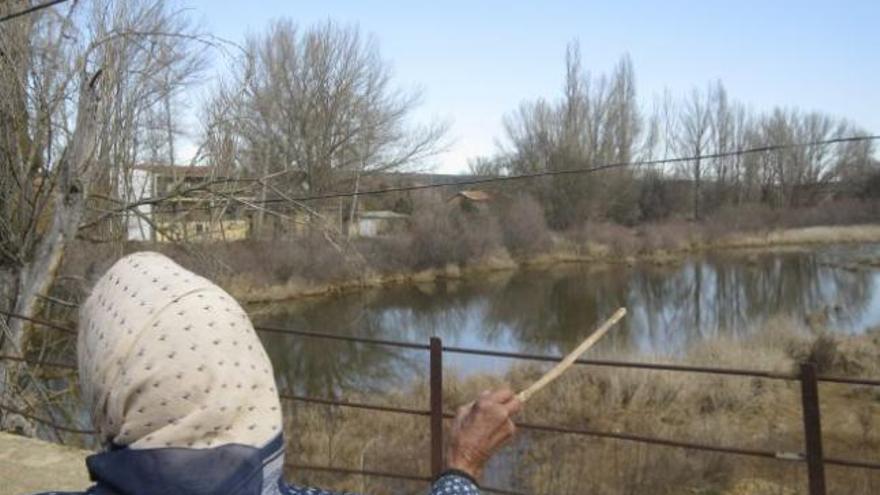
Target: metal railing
812,456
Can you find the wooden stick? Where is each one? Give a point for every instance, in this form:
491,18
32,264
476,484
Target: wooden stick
567,361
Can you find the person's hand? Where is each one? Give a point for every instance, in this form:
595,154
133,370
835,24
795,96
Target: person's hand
480,429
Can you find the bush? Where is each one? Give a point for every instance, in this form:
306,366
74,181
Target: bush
619,239
823,353
442,234
760,217
524,227
435,239
669,236
309,256
741,218
387,254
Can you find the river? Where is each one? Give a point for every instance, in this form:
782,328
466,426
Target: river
549,310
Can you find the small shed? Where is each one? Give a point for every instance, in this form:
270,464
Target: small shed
472,200
379,222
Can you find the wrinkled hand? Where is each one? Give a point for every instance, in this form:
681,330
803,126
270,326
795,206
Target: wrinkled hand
480,429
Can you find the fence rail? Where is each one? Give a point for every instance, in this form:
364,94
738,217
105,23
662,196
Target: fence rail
812,456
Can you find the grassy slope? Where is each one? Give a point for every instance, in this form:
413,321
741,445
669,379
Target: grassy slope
610,249
753,413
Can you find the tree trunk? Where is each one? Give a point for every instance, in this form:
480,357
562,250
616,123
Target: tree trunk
353,211
35,277
697,186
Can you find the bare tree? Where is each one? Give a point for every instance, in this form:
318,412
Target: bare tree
75,85
596,121
316,109
694,138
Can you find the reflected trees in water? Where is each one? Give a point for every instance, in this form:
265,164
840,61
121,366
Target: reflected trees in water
549,311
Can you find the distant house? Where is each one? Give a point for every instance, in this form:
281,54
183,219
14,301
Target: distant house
472,200
382,222
176,206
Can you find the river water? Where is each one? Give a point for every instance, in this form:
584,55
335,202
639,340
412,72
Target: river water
550,310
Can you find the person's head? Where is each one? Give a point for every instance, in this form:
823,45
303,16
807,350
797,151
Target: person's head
168,359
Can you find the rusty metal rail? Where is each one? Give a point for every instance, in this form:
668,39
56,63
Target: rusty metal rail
628,364
561,429
385,474
713,370
812,456
772,375
366,472
356,405
346,338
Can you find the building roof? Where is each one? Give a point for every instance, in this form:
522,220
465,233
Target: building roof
474,195
177,170
381,214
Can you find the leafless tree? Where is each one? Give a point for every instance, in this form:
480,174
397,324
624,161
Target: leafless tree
791,177
75,86
596,121
317,110
694,139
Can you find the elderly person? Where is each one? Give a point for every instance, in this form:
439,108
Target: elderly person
183,396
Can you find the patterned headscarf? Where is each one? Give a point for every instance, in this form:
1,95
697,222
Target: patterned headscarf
169,359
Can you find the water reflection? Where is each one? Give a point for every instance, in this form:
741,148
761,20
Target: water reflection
549,311
322,367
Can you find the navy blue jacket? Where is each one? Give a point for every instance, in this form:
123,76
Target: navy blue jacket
227,470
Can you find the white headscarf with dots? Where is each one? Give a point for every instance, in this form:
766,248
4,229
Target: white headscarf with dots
169,359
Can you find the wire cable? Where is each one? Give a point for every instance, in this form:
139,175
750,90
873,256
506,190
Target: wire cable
570,171
30,10
505,178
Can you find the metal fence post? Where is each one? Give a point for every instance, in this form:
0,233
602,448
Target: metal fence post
436,407
812,429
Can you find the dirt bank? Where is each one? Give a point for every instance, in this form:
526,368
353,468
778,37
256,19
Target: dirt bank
562,251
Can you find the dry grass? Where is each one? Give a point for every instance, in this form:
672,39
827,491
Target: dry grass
525,228
745,412
444,240
804,236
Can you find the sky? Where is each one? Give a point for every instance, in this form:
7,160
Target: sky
476,61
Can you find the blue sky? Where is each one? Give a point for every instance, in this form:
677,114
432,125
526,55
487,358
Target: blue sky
476,61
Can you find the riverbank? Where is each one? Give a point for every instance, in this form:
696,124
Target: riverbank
739,412
661,245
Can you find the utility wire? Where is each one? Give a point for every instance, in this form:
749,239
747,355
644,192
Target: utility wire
31,10
547,173
570,171
508,178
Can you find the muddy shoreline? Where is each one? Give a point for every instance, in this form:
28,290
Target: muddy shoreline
561,253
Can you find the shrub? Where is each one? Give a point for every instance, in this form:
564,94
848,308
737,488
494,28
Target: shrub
524,226
619,239
669,236
823,353
387,254
442,234
434,235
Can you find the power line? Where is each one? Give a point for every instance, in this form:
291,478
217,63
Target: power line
509,178
31,10
572,171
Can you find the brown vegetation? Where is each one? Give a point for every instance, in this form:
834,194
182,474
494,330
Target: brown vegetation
731,411
446,241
